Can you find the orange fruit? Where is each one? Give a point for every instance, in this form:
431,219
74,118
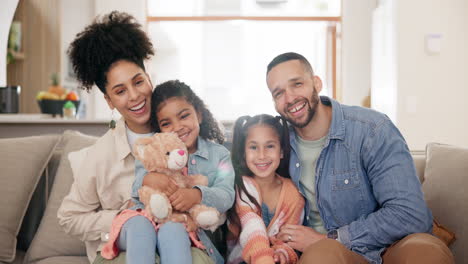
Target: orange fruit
72,96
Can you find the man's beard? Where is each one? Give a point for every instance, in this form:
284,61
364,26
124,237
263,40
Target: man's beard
311,109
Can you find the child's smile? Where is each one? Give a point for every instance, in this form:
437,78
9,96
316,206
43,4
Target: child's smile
177,115
262,151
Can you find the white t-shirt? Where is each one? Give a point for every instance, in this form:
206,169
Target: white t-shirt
132,136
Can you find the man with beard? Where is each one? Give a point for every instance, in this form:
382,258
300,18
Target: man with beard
364,202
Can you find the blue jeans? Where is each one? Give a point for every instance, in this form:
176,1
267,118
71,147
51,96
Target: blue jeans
140,240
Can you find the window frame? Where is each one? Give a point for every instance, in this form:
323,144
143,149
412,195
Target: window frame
333,41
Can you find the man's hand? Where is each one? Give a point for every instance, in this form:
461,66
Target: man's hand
183,199
299,237
160,182
280,257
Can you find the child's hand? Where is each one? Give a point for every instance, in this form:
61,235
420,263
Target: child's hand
280,257
198,179
160,182
183,199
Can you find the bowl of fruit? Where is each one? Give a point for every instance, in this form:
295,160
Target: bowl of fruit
53,100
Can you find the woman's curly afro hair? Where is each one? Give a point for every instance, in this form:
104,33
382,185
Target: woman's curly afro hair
116,36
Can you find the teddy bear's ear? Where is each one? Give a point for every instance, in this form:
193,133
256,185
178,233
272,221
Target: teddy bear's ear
175,141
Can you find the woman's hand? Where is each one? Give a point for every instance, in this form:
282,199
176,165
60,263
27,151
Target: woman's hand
183,199
299,237
160,182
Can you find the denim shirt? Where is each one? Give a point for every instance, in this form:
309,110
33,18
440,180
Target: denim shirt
366,183
214,161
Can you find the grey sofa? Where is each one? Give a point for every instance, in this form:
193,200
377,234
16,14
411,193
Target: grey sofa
36,172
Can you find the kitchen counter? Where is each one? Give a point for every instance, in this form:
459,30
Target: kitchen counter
22,125
45,118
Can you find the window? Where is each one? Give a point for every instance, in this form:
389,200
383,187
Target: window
221,48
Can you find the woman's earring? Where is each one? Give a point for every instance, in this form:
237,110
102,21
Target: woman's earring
112,122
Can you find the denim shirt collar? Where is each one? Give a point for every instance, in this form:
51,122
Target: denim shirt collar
202,148
337,127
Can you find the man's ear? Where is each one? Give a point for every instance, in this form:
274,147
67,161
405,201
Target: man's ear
317,83
109,102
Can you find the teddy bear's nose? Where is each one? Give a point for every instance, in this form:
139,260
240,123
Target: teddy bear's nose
181,152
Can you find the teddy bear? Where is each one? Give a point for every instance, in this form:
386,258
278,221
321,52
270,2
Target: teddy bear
165,153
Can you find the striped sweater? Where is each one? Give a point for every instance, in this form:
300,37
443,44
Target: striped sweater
257,243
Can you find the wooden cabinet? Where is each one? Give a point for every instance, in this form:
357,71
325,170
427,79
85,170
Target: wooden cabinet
40,28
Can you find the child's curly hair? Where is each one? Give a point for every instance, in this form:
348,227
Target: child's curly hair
116,36
209,128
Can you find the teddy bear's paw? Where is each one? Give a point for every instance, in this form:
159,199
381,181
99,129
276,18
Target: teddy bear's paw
207,218
221,220
159,206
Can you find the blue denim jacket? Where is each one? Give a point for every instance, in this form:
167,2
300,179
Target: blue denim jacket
214,161
366,182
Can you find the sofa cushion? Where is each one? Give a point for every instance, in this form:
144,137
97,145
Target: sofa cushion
19,257
76,158
65,260
51,240
22,163
445,180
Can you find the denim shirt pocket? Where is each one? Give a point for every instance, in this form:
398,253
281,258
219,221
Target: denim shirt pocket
347,196
345,181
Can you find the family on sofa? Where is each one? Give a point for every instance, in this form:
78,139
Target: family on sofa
322,183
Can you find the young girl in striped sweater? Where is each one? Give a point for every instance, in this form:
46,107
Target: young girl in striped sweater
266,198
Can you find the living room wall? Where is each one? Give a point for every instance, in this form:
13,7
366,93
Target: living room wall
433,88
356,50
423,90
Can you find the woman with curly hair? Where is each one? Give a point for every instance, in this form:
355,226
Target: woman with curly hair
109,53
